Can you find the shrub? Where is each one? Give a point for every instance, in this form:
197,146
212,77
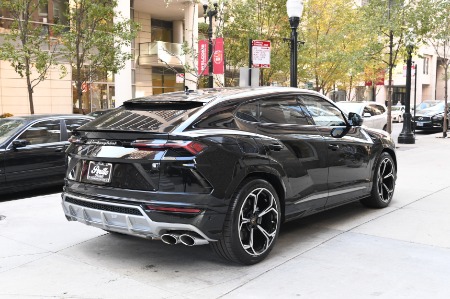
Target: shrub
4,115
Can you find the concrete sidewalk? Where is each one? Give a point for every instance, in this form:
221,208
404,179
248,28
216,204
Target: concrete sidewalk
402,251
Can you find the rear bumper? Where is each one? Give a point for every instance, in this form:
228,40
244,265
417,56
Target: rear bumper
133,219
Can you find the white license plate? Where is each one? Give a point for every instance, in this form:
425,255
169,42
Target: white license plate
419,124
99,172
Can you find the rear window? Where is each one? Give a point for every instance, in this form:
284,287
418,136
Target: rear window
8,127
160,117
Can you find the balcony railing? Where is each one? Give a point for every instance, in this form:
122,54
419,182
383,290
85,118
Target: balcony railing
160,53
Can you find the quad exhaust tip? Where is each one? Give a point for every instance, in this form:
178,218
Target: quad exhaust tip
171,239
190,240
185,239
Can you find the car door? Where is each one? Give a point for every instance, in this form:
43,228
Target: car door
379,116
369,116
348,160
296,151
39,160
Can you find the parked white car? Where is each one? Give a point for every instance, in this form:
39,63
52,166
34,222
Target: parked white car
397,113
374,114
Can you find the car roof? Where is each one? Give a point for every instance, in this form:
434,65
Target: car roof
44,116
209,94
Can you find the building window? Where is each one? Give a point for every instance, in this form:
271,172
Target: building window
60,8
426,64
43,10
162,31
164,80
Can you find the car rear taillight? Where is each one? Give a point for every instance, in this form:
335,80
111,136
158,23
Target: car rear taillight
192,147
174,209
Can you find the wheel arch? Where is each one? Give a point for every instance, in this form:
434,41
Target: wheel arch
392,153
277,184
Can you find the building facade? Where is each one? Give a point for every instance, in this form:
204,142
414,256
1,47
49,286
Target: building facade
157,65
159,62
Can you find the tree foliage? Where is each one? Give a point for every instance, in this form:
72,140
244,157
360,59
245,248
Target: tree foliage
335,52
93,41
388,20
257,20
433,24
28,46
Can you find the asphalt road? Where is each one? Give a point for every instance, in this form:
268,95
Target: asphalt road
402,251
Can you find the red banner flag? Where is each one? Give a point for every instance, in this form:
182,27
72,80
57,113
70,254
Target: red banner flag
218,59
203,58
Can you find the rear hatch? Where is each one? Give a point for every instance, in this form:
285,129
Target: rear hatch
133,148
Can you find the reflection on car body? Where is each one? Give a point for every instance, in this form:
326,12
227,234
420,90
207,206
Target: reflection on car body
224,167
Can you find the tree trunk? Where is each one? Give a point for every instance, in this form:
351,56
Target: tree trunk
389,103
30,95
29,86
79,83
445,124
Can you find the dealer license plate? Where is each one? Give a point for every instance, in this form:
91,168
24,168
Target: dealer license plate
99,172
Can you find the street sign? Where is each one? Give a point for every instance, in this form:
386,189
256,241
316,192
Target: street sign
179,78
261,54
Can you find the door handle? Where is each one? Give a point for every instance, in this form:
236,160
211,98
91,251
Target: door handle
59,149
275,147
333,147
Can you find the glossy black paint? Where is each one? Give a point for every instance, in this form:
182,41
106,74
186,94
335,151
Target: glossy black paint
27,165
309,168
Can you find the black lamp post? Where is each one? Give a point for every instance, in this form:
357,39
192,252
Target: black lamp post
407,136
294,11
210,13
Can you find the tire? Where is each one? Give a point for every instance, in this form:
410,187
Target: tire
383,183
252,224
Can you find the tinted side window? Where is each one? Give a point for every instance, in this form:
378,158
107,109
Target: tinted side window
282,111
248,112
368,109
379,109
74,123
43,132
322,112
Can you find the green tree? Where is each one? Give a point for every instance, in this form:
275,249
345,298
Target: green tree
433,25
257,20
28,46
333,50
93,41
388,20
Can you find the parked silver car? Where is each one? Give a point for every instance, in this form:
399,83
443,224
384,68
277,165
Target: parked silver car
374,114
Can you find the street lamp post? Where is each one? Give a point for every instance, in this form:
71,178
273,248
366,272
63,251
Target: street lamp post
407,136
294,11
210,13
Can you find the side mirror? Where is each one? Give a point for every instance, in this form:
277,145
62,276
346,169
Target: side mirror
20,143
355,119
339,132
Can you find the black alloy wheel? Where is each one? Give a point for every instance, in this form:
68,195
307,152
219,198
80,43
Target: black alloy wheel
383,183
252,224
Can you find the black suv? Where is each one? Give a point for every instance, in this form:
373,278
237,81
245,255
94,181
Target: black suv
225,167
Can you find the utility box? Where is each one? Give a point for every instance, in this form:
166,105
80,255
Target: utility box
244,77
